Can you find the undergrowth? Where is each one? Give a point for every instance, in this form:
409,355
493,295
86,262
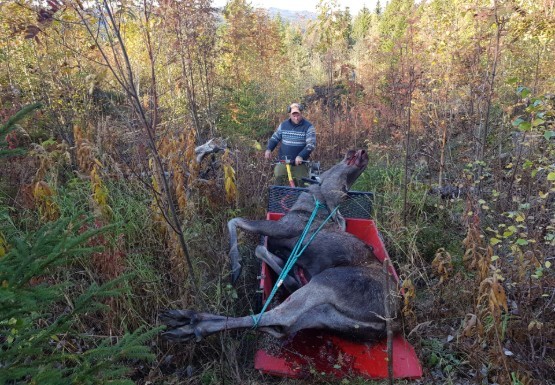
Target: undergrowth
43,308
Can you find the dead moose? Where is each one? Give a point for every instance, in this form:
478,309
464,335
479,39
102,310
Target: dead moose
346,284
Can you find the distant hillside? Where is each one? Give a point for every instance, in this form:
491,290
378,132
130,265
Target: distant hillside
287,15
293,16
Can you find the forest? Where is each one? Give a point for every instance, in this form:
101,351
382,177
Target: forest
107,217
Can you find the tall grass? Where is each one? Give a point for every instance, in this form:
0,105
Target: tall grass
431,223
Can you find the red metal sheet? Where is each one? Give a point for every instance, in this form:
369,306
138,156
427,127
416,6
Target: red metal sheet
313,351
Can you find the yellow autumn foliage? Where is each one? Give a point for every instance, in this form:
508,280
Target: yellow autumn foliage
409,295
230,184
3,245
100,193
84,149
492,292
44,199
442,264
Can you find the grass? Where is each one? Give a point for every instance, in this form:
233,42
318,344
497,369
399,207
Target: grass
427,217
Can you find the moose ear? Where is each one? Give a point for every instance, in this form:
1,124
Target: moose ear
350,154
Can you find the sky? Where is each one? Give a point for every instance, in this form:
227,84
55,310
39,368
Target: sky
306,5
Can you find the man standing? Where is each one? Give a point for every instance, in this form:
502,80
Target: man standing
298,139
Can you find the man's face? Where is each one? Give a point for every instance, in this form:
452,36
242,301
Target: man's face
296,117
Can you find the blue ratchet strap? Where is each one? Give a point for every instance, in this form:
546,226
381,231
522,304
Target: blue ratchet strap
295,254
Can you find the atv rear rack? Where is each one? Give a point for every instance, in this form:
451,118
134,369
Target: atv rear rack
357,205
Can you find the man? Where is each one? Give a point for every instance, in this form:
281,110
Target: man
298,139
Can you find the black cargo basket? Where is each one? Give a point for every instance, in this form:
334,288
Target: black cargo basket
358,205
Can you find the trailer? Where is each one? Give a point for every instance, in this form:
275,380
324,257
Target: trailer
319,352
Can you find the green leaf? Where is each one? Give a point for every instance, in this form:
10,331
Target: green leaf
521,242
494,241
537,122
527,164
551,176
525,126
517,122
549,134
523,91
433,359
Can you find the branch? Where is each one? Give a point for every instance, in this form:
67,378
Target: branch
127,83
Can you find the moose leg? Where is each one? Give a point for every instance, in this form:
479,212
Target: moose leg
340,299
275,229
185,325
332,200
178,318
276,264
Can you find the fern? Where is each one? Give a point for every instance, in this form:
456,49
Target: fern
37,317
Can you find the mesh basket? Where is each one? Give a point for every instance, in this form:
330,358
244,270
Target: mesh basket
358,205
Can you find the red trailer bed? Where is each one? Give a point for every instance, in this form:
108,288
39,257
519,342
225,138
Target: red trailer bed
314,351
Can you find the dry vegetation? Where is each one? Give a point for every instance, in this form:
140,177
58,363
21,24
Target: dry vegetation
103,103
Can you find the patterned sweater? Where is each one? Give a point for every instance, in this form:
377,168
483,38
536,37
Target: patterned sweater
296,139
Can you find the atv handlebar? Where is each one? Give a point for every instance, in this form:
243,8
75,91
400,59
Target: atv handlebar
310,180
289,161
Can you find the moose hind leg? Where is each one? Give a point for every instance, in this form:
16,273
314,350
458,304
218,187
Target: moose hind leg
185,325
345,299
276,264
282,320
274,229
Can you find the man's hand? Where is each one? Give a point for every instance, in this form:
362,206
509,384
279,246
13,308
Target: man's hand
267,154
298,160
